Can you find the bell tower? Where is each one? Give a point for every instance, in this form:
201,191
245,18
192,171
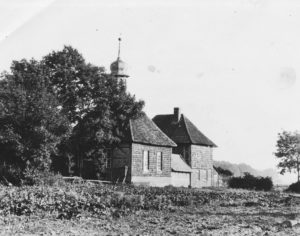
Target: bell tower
119,68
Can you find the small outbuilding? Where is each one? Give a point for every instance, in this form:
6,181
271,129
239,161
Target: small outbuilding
181,172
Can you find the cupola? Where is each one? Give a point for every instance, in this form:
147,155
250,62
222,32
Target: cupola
119,67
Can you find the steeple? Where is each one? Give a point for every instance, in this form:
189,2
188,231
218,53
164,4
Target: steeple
119,68
119,51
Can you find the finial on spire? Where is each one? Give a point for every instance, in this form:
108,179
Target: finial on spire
119,47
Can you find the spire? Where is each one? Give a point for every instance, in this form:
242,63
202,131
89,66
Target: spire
119,47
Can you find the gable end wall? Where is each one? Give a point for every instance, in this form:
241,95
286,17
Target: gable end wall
152,177
202,165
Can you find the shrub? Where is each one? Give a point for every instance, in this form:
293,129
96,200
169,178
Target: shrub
10,175
265,184
36,177
249,181
294,187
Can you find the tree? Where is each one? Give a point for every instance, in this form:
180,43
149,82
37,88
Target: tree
31,121
62,111
107,121
97,104
72,80
288,151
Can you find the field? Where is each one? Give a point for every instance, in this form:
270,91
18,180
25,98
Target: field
90,209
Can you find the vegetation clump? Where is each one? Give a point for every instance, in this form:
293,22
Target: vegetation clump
294,187
74,200
251,182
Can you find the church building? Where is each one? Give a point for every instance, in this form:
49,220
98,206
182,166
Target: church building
168,150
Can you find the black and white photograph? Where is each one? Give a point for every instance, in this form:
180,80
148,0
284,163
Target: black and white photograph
150,117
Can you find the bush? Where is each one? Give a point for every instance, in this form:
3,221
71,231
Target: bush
294,187
251,182
36,177
10,175
13,175
265,184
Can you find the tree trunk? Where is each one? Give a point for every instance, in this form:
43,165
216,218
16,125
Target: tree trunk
79,161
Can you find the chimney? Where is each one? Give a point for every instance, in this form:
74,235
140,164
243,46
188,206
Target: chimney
176,114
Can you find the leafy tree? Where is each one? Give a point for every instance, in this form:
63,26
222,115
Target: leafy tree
31,121
62,111
107,122
72,80
288,152
97,104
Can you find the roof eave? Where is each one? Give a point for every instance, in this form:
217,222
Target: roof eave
189,135
182,171
153,144
206,145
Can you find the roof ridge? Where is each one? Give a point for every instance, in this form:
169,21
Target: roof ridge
186,128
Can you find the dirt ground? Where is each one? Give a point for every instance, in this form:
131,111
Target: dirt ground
206,220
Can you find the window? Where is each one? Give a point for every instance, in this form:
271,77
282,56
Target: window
203,175
146,160
206,175
159,161
108,162
209,174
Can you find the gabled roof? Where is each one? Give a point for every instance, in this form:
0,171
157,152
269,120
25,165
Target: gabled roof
144,130
179,165
183,131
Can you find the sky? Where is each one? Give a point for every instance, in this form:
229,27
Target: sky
231,66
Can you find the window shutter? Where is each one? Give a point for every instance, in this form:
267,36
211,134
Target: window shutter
146,160
159,161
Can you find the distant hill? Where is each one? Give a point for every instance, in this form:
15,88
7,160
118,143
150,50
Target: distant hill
239,169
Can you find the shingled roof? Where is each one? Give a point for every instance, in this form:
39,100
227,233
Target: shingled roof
179,165
144,130
182,131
